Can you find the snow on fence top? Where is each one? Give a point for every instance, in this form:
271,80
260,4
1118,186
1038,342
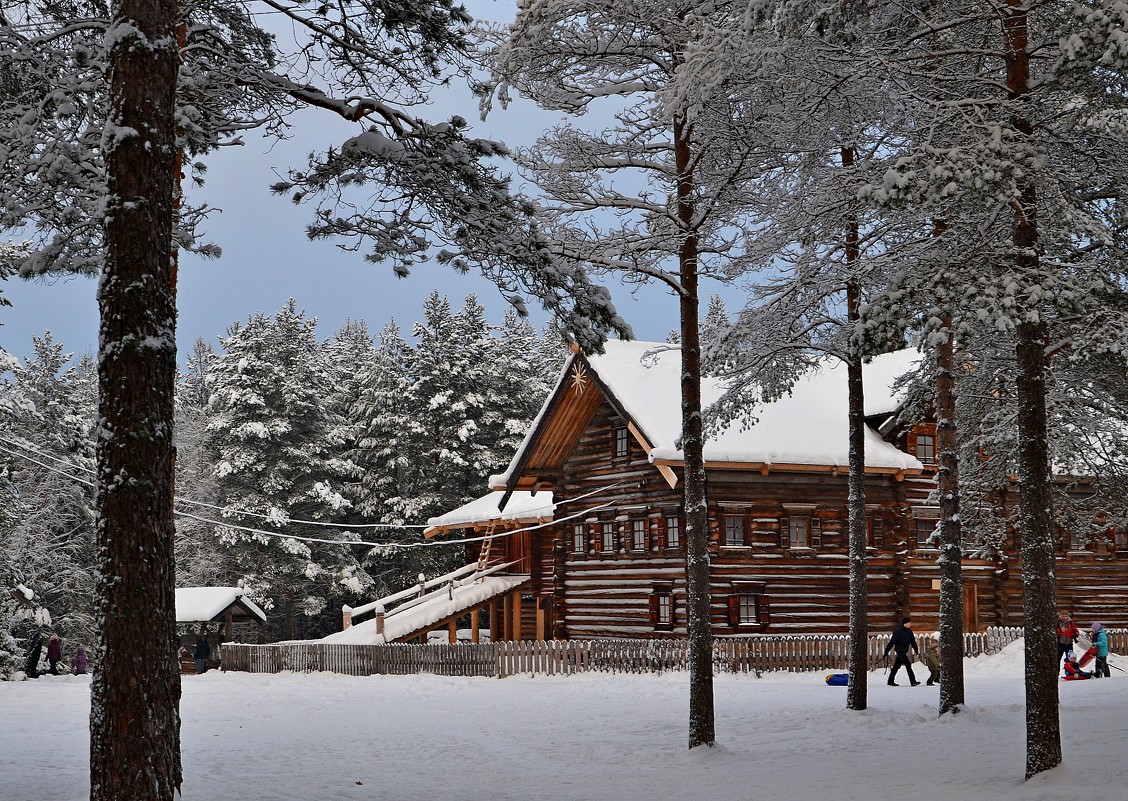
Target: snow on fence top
205,604
809,426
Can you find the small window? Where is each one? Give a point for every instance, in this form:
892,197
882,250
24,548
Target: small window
608,545
638,535
800,528
673,531
662,606
620,444
925,527
1075,543
926,448
747,610
734,529
1120,537
871,532
579,538
748,606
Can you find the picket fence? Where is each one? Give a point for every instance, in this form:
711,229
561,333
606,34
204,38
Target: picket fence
794,653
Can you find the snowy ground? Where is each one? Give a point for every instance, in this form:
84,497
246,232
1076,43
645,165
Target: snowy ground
323,737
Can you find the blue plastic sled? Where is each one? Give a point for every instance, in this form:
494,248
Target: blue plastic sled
837,679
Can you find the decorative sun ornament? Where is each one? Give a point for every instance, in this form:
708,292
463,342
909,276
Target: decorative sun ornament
579,379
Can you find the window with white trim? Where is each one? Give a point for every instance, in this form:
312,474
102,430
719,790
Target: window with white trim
733,529
579,538
662,606
673,531
799,531
620,443
638,534
926,448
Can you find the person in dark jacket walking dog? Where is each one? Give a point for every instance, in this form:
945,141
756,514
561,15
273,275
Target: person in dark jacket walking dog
902,639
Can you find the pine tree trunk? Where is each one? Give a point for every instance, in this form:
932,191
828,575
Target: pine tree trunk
1043,724
135,696
951,550
702,730
857,690
1035,520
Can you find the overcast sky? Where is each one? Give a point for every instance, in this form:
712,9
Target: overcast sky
267,258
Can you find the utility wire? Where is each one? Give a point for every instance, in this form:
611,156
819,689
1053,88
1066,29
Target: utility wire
262,532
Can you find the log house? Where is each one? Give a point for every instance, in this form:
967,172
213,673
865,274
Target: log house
604,450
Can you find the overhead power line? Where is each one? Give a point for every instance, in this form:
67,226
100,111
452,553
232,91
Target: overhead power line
262,532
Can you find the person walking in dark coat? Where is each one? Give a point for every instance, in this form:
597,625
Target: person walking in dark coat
902,639
54,653
203,651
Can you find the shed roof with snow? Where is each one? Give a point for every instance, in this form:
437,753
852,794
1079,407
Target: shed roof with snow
212,605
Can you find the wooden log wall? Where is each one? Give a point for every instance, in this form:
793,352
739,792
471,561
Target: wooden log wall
606,590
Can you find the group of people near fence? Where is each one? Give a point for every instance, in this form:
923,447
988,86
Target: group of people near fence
1068,636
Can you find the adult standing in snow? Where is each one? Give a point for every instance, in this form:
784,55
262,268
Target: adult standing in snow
34,652
54,653
1067,634
902,639
79,661
1100,642
203,651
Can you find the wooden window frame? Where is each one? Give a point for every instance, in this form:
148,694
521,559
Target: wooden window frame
799,523
679,541
918,528
734,518
580,537
661,606
745,595
620,444
607,537
814,525
926,443
1119,537
640,525
922,515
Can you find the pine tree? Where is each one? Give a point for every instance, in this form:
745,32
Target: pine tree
135,693
647,198
47,541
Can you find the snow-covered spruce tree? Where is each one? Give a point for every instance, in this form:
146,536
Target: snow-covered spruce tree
200,559
456,428
1031,158
46,461
646,198
135,695
270,431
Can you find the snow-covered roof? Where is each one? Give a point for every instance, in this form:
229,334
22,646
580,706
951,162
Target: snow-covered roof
205,604
400,623
523,507
807,427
